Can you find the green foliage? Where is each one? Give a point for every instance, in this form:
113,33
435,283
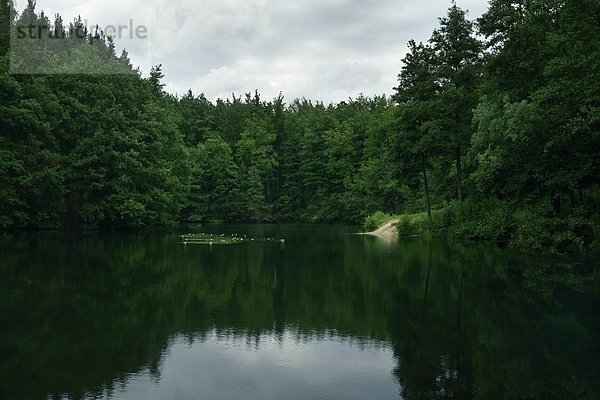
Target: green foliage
537,229
213,175
405,227
488,219
442,222
529,227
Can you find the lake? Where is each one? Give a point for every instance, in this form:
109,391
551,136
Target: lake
327,314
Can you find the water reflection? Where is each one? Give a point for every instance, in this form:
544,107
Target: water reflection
331,315
289,366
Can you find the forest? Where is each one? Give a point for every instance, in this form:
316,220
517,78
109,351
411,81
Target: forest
493,132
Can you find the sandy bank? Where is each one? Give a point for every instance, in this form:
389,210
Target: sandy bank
387,230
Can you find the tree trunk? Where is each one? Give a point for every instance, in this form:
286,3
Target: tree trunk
426,184
459,175
279,179
556,204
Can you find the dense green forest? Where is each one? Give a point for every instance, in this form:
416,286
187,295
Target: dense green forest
493,130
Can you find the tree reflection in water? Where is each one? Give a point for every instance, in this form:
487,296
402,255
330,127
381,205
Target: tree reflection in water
81,313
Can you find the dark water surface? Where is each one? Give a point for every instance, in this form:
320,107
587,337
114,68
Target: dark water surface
327,315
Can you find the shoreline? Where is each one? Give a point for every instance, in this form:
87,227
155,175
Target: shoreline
387,231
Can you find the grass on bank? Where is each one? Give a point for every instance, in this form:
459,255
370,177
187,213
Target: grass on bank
530,227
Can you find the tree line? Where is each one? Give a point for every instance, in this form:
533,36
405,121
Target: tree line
496,120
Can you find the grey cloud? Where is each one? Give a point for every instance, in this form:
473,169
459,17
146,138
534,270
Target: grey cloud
322,49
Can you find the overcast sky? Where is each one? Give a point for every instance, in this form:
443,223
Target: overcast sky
325,50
